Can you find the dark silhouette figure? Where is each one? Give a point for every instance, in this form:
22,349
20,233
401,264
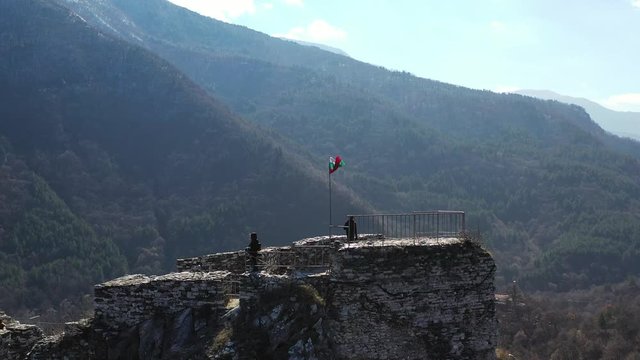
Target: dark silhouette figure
253,249
351,228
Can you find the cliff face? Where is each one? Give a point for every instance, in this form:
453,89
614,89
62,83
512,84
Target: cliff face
318,299
397,300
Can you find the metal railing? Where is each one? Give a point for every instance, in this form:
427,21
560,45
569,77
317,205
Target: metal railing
420,224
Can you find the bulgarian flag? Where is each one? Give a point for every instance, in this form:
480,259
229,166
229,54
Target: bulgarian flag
335,163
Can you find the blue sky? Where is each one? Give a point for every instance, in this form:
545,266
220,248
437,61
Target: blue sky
582,48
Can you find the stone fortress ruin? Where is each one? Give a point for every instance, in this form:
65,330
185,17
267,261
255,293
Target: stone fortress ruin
413,286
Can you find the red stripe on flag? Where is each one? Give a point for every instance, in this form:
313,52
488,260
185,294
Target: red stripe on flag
337,163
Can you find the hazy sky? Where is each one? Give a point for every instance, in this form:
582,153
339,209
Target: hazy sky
582,48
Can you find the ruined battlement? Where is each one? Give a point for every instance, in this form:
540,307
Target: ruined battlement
393,298
377,298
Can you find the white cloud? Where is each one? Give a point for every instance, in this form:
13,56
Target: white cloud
267,6
623,102
316,31
635,3
294,2
219,9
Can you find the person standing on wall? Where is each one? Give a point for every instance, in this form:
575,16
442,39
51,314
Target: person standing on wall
351,227
253,249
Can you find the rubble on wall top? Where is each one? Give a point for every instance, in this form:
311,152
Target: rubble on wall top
382,242
138,279
126,280
226,253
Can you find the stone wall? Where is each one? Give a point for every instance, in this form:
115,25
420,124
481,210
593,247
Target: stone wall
297,259
130,300
397,299
275,260
233,262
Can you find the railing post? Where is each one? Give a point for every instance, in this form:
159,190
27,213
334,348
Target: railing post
414,229
463,223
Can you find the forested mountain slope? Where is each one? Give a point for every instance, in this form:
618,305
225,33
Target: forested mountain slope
113,161
556,196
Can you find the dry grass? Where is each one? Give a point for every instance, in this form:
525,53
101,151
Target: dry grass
222,338
312,293
232,303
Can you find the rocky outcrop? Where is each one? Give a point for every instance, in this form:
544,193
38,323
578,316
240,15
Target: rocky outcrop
317,299
17,339
78,341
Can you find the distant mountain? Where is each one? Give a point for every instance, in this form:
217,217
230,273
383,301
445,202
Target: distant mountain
320,46
621,123
113,161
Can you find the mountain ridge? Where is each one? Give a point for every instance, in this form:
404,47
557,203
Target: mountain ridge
621,123
135,156
529,172
320,46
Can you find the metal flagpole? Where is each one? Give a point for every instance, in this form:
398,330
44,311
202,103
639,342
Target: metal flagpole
330,217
